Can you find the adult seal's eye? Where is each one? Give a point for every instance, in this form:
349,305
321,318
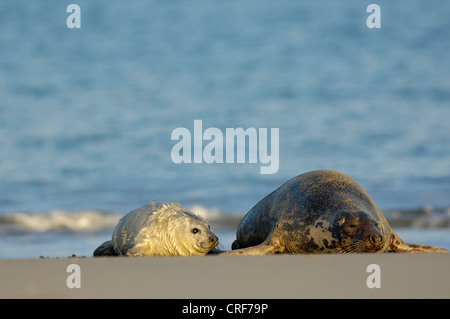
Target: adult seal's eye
195,230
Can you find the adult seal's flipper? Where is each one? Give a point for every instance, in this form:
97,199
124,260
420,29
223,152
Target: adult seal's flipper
266,248
400,246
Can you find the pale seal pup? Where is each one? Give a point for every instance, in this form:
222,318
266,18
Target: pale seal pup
321,211
159,229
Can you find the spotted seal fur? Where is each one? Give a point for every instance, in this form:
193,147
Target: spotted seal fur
321,211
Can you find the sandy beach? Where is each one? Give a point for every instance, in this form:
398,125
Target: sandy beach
229,277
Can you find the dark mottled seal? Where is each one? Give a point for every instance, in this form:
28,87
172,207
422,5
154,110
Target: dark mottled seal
318,212
159,229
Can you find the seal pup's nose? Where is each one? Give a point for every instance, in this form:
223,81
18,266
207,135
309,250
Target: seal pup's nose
213,239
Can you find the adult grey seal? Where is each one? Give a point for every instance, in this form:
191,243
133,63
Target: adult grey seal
321,211
159,229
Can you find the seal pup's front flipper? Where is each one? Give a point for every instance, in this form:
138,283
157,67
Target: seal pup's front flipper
400,246
105,249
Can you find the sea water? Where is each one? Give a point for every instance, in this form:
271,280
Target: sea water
86,115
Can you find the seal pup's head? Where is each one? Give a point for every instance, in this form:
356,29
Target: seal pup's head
192,234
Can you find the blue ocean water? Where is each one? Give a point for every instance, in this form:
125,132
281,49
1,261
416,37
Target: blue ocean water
86,115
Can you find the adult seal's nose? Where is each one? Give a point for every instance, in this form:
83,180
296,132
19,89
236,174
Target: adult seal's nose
376,239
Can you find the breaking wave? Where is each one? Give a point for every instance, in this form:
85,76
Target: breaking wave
91,221
423,217
62,221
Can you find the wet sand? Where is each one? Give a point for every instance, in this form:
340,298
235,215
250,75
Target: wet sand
230,277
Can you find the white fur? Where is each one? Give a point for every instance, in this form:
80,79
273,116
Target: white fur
160,229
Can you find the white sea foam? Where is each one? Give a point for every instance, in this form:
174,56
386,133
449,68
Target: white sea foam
57,220
87,221
92,221
209,214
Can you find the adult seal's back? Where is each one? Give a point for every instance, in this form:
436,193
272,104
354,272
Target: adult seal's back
318,212
159,229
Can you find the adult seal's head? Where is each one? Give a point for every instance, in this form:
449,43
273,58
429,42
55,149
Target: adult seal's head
160,229
318,212
353,231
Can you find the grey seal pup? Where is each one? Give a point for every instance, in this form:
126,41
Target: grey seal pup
320,211
159,229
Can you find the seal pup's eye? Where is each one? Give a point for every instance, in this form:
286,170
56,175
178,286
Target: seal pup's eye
195,230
